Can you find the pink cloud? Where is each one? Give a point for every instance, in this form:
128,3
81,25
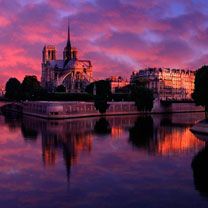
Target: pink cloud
4,21
118,36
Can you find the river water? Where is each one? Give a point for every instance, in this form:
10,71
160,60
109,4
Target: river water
123,161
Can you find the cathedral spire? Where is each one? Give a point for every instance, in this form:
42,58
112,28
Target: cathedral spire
67,55
68,37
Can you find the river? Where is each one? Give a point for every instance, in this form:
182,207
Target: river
123,161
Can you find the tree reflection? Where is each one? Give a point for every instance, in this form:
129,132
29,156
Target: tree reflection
102,127
71,138
200,171
28,133
12,119
141,134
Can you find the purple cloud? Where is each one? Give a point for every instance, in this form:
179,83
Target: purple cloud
118,36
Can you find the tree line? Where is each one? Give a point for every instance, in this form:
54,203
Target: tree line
99,92
200,94
29,89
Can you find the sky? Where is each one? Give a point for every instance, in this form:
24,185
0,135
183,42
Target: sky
118,36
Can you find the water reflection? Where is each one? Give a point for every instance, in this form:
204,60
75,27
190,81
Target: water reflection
200,167
13,120
71,137
200,171
141,134
164,135
102,127
68,139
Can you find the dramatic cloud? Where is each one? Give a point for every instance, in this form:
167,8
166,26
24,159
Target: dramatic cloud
118,36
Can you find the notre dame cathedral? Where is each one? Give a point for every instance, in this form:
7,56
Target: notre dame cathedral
72,73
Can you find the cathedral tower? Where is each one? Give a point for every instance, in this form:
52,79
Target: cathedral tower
49,53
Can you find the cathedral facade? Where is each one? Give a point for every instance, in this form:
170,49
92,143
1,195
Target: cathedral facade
74,74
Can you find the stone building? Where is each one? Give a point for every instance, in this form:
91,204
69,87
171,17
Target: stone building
117,82
167,84
71,72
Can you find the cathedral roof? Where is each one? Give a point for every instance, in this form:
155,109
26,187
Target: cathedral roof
57,63
78,64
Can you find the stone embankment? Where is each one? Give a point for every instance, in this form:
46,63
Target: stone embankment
201,127
61,110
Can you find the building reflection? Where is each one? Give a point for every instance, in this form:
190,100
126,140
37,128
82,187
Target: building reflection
71,139
164,135
117,132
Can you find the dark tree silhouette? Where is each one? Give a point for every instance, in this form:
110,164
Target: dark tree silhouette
13,89
140,82
143,98
101,106
102,93
101,88
30,88
200,95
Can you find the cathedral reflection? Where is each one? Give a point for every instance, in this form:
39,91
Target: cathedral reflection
71,137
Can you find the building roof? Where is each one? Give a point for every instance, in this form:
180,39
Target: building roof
71,64
78,64
56,63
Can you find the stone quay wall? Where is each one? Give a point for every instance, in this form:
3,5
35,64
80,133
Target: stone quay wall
60,110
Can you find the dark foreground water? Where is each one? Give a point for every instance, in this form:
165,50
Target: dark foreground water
125,161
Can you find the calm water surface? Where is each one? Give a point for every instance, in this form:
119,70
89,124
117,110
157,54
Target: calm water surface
125,161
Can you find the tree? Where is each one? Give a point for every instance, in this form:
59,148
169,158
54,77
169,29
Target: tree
61,88
102,89
89,88
101,105
102,93
200,95
13,89
140,82
143,97
30,88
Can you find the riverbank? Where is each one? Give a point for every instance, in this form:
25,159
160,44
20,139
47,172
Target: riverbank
73,109
201,127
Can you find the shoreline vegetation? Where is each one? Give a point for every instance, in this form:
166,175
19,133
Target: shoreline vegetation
138,99
98,92
200,97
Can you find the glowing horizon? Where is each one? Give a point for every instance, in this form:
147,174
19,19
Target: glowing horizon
118,36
